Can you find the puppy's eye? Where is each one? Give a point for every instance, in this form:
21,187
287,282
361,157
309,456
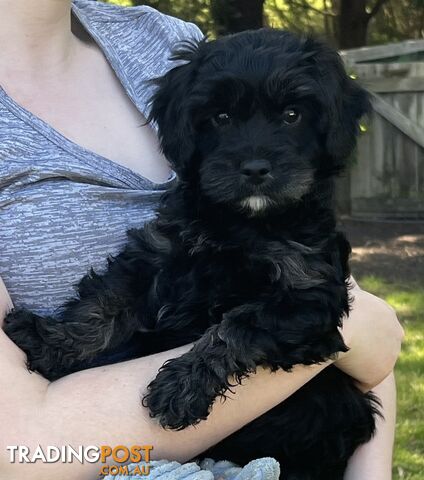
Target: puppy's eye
291,116
221,119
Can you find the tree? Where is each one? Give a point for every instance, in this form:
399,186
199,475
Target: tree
353,19
232,16
344,22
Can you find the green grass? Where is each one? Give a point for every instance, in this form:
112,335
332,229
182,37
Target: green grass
408,300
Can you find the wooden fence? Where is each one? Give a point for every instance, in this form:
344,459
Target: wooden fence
387,177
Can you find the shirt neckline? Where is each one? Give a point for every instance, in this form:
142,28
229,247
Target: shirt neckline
108,166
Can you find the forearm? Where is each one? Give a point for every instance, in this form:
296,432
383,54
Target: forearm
374,459
102,407
373,353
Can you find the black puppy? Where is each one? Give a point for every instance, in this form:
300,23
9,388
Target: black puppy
243,257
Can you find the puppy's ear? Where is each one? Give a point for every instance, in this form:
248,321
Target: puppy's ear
171,106
346,103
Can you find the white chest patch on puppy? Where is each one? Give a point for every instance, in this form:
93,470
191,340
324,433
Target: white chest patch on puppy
255,203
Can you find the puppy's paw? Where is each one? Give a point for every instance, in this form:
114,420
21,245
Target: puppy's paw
179,397
21,327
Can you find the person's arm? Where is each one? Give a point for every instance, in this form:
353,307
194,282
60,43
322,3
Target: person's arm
102,406
374,459
377,341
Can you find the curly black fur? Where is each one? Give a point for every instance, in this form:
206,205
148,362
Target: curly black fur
243,258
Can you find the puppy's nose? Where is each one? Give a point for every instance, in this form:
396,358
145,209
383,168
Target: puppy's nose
256,170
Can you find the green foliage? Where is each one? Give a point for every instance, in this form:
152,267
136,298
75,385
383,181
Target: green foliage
408,300
399,20
197,11
396,20
299,16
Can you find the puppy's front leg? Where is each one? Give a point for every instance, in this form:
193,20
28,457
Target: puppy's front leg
56,348
89,325
23,328
185,387
103,316
251,335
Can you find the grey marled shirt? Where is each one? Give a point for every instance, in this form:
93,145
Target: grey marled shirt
64,209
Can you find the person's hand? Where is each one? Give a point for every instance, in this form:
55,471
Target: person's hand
5,302
374,336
